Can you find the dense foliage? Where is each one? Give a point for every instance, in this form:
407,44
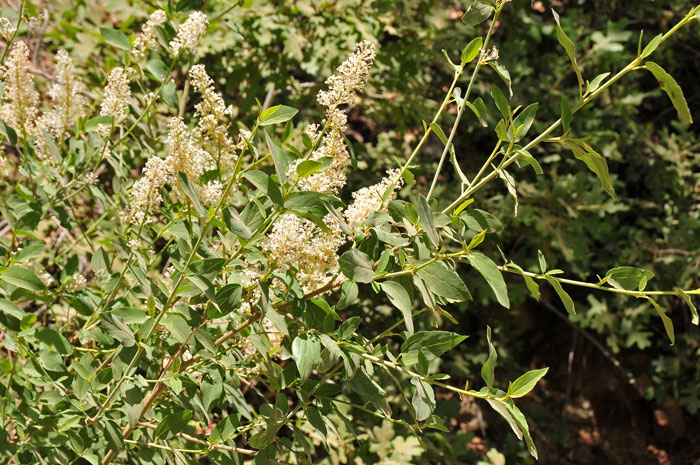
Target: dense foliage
213,252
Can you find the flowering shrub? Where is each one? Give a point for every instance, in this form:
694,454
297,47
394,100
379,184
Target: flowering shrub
176,284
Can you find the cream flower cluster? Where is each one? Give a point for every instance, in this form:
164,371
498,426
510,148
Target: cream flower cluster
369,199
67,97
213,113
146,38
300,245
189,33
183,155
295,242
117,95
7,29
20,97
350,77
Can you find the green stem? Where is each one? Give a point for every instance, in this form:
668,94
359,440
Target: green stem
462,106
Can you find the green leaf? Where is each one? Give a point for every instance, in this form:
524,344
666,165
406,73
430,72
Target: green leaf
157,68
172,424
526,383
309,167
9,133
277,114
228,299
225,429
191,193
316,420
93,123
430,342
524,120
477,13
526,157
279,158
479,110
169,94
115,38
11,315
423,399
306,350
503,73
489,367
347,329
693,310
476,240
348,295
472,50
651,46
54,339
444,282
566,114
565,298
399,297
177,326
672,89
629,278
235,224
542,261
594,161
569,47
492,275
439,132
480,220
356,265
668,324
595,83
501,102
522,425
425,213
22,278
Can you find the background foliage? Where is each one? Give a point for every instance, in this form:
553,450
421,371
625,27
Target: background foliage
616,392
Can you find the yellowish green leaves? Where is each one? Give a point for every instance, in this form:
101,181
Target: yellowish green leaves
277,114
672,89
565,298
489,366
115,38
593,160
629,278
471,50
488,269
569,48
668,324
399,297
524,384
693,310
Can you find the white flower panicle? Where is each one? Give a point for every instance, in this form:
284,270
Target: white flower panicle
183,152
69,104
146,39
303,247
212,112
351,76
20,98
184,155
7,29
211,193
117,95
369,199
333,178
189,33
145,196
